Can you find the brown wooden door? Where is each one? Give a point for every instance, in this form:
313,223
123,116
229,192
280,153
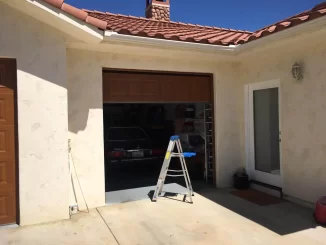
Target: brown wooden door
155,87
7,142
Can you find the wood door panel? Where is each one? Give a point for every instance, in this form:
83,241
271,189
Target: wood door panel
7,208
152,87
7,142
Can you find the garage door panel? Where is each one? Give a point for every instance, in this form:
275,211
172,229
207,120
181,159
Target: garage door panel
141,87
7,174
6,107
7,209
144,89
113,88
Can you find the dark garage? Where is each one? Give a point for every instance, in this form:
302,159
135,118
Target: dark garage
138,123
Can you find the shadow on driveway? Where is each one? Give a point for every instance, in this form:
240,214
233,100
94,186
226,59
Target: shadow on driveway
282,218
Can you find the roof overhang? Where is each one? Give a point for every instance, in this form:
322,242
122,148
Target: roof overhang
316,26
134,45
68,24
86,36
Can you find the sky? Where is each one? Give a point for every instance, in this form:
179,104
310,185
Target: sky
248,15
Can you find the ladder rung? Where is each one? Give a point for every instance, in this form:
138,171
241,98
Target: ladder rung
177,175
176,155
175,170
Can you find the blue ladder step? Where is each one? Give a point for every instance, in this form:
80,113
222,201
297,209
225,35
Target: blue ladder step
189,154
174,137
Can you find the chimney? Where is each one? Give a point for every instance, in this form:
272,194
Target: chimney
158,9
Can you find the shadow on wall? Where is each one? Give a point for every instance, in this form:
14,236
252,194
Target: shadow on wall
84,95
282,218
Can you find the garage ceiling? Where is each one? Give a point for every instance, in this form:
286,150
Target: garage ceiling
131,86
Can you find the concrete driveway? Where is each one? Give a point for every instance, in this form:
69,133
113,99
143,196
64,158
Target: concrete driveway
216,217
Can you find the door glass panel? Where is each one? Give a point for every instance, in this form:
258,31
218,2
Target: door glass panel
266,130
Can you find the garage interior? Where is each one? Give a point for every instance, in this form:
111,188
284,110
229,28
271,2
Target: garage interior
141,111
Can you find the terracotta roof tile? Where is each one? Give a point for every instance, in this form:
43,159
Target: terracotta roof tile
318,11
78,13
130,25
170,30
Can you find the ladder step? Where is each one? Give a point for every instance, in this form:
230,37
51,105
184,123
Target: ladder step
175,170
184,154
176,155
176,175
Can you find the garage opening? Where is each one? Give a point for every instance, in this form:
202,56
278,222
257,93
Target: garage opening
138,124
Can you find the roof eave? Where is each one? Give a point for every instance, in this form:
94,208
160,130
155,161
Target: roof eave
58,19
110,36
315,25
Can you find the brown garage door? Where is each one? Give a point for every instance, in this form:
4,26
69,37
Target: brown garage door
121,86
7,142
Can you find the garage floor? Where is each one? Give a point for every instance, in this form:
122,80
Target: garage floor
216,217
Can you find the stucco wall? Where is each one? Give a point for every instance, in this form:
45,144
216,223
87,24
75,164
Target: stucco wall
86,115
42,113
303,111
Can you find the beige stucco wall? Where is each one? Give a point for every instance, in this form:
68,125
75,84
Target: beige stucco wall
303,110
86,115
44,76
42,113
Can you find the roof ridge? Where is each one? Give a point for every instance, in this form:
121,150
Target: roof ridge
163,21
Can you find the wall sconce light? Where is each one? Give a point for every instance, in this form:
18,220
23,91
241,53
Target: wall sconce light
297,72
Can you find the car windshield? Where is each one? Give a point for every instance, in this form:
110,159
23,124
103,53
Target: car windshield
126,134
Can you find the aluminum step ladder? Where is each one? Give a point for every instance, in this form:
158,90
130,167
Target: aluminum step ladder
174,141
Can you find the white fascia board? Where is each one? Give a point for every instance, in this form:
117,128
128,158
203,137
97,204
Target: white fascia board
110,36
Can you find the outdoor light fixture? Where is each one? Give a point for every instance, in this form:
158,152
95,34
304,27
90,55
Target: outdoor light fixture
297,72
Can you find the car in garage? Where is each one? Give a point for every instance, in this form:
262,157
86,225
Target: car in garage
131,144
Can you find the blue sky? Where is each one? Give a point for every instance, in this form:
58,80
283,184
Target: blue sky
237,14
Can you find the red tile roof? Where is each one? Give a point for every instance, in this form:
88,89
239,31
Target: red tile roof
78,13
314,13
139,26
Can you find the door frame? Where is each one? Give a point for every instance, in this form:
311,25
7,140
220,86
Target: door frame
249,128
168,72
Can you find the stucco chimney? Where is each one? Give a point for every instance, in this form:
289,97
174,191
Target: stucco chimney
158,9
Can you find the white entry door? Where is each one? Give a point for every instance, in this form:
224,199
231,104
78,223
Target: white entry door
263,133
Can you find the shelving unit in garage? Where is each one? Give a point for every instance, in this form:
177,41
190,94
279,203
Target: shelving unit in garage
209,170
